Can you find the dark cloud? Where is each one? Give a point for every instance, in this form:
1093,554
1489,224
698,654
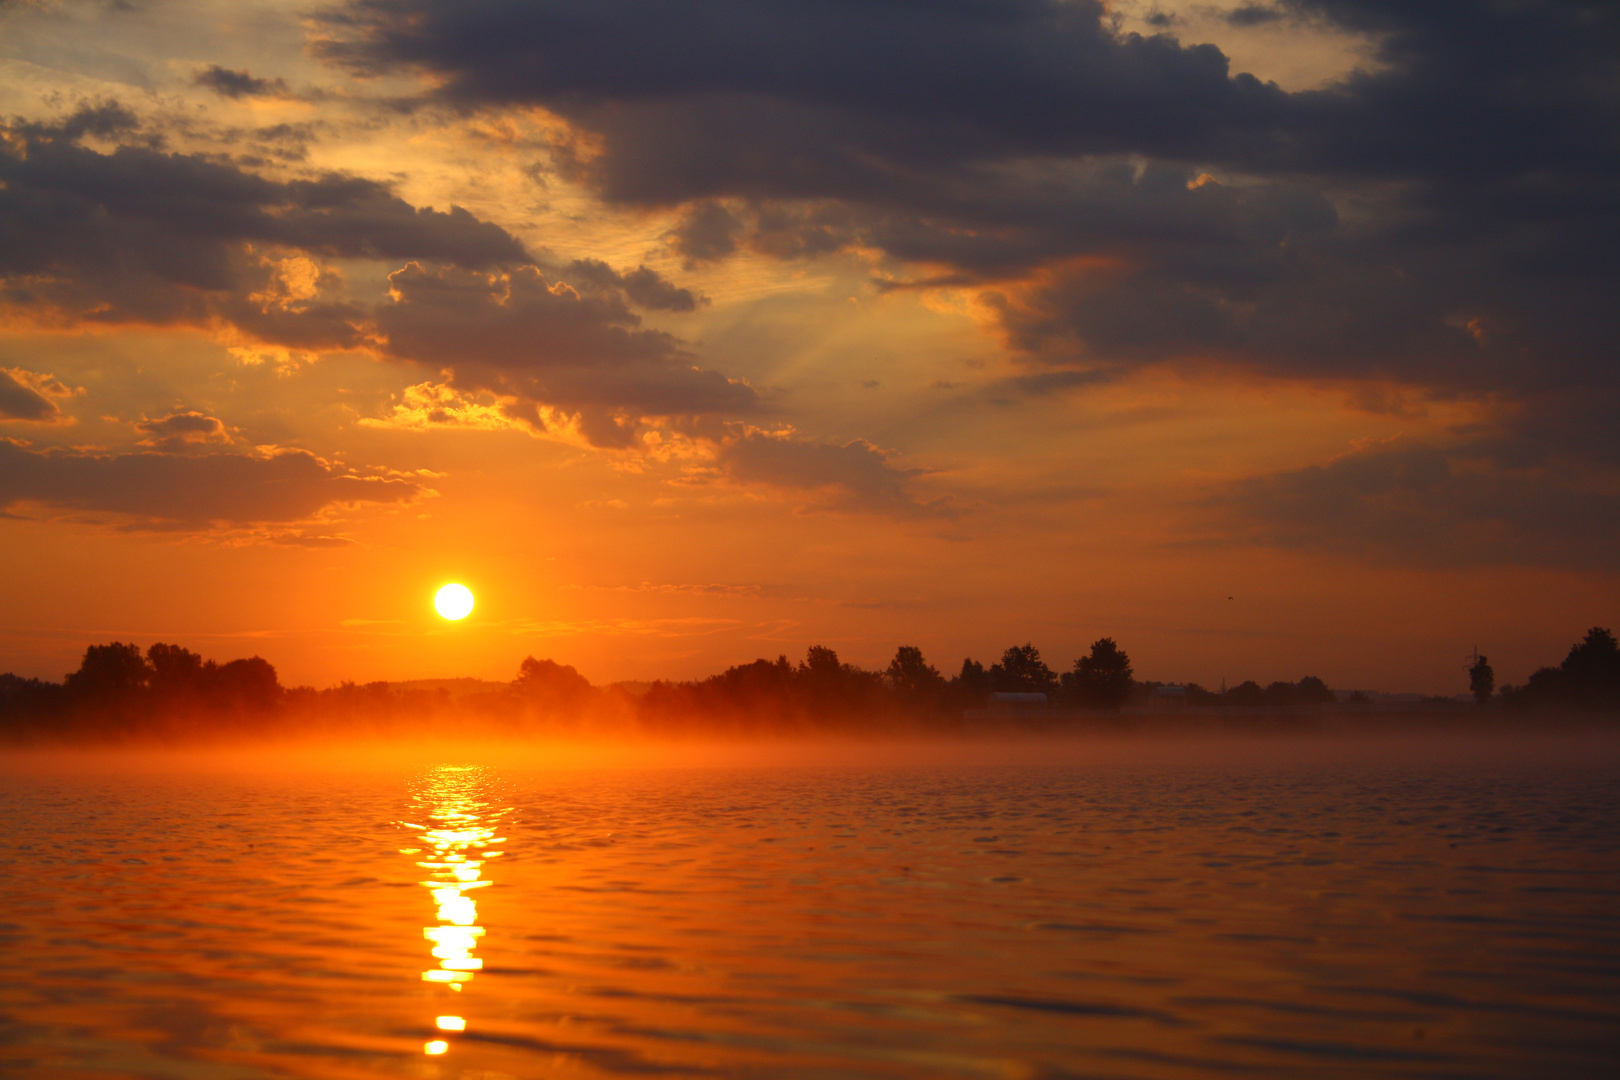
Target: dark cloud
1048,382
814,98
643,287
646,288
819,98
144,236
103,119
19,401
1255,15
854,476
706,233
238,84
1410,502
190,491
519,333
1447,216
179,431
315,541
138,235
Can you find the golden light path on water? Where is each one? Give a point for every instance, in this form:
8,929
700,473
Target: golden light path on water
457,835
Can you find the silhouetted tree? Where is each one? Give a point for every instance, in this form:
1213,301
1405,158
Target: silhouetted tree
108,691
821,689
181,681
831,689
1246,694
369,699
110,672
1313,691
1544,687
247,686
1279,694
1589,677
1197,695
1102,678
1481,680
29,706
1592,670
747,696
551,687
174,668
1022,671
820,664
971,686
916,685
750,685
910,674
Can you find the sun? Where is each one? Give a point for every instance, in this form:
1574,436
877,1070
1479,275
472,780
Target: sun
454,602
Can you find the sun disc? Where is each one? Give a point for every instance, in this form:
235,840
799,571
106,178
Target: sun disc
454,602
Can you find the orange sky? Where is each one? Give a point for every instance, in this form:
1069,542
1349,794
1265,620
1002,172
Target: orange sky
666,403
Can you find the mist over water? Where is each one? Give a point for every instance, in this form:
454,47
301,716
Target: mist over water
1418,907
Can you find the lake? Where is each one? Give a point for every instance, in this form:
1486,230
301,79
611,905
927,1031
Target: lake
1427,909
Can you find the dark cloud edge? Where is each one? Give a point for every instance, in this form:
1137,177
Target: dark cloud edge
175,228
158,491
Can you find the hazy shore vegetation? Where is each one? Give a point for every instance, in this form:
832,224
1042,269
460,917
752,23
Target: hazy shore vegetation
120,692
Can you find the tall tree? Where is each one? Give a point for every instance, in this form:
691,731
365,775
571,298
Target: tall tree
972,685
1101,679
1481,680
1022,671
1592,670
1313,691
1588,678
910,674
248,685
551,687
114,670
179,676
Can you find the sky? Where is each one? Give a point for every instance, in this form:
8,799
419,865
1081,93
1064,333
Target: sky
1269,339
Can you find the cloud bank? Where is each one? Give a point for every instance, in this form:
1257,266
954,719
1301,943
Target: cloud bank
1446,219
160,490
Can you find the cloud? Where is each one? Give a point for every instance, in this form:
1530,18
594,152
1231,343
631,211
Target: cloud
180,431
310,540
709,589
853,476
707,233
1413,502
158,490
238,84
1444,217
19,400
520,334
812,98
815,98
138,235
436,407
1255,15
643,287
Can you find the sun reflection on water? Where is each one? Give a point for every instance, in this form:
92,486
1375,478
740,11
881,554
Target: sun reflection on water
457,835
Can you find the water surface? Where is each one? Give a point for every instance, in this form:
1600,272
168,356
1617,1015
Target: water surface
1219,915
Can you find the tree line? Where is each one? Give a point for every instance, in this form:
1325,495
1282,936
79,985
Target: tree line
118,689
822,687
169,690
1588,679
